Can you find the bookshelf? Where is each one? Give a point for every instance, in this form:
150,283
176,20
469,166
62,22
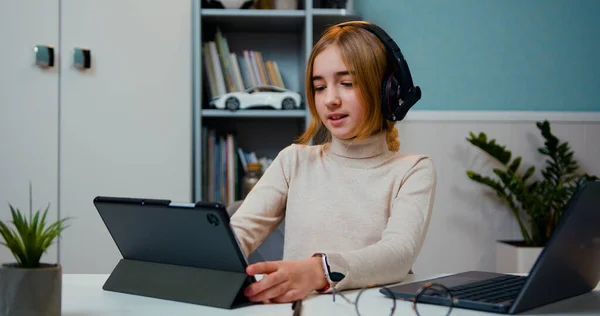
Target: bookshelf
282,37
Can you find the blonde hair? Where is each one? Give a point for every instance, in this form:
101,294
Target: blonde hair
364,54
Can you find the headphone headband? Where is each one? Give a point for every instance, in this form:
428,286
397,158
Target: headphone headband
398,91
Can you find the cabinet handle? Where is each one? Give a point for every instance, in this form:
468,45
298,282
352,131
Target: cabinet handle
82,58
44,55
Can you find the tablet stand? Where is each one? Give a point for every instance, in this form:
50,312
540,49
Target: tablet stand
215,288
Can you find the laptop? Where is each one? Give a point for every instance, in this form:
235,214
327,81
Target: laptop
568,266
158,237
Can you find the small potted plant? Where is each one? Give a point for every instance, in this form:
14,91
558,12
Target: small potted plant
28,286
537,204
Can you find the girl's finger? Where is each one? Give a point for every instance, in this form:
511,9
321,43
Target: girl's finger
271,292
267,282
263,267
288,296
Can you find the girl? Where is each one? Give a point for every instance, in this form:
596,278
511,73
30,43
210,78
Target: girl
356,209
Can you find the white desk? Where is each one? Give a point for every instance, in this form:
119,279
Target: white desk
83,295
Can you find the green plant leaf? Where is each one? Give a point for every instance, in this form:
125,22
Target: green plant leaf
528,173
19,221
482,137
43,221
491,148
13,243
30,237
544,200
514,166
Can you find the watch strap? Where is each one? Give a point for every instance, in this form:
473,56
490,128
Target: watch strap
331,282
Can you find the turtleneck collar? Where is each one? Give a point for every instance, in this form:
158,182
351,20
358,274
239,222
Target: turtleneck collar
365,153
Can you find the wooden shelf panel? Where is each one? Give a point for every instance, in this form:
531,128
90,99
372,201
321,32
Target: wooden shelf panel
255,113
252,13
255,20
334,13
322,18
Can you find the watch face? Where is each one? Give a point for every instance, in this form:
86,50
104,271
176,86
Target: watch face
336,276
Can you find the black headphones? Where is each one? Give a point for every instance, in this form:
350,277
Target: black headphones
398,93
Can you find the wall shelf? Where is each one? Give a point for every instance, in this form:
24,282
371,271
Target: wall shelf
255,113
255,20
334,12
251,13
323,18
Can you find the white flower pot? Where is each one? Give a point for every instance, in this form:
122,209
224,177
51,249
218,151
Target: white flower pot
513,257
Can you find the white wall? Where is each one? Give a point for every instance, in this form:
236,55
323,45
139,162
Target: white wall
466,220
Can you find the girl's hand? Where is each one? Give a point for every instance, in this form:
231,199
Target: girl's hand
285,281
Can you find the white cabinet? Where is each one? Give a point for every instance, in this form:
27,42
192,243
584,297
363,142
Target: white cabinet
122,127
126,123
28,112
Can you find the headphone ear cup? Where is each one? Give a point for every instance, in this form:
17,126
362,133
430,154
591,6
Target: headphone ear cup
384,97
390,90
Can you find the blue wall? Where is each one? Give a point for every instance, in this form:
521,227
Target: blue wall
540,55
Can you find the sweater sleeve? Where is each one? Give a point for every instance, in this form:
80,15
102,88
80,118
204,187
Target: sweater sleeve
390,259
264,207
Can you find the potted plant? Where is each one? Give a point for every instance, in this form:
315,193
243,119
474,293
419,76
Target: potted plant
536,203
28,286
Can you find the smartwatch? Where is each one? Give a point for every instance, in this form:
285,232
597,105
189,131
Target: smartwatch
332,277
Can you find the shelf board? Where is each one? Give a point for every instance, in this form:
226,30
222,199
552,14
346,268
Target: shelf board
249,20
333,12
325,17
255,113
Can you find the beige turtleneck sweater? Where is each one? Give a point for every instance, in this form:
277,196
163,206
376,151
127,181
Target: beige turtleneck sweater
367,208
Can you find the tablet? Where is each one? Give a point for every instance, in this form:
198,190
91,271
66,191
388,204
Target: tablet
187,234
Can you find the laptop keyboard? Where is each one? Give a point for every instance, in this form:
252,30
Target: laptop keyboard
494,290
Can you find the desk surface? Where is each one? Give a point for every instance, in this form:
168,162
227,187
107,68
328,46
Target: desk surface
83,295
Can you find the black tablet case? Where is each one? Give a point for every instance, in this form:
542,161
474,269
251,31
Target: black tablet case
174,252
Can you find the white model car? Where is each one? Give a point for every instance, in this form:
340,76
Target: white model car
259,97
